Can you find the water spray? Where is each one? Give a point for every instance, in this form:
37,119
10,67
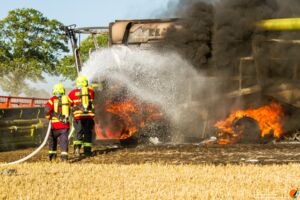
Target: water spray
161,78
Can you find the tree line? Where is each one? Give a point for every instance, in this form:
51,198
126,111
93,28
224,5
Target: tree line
33,47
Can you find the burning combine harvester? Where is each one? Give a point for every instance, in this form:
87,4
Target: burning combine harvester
259,106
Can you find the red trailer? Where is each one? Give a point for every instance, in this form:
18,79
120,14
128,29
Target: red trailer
22,121
21,102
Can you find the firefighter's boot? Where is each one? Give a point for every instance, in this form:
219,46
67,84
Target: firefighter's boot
64,156
87,151
52,157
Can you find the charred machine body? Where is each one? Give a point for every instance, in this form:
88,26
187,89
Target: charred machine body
252,83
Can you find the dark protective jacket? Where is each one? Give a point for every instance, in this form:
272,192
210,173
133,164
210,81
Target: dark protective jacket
77,108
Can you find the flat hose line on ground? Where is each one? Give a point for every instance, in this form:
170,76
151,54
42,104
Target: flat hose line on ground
71,132
33,153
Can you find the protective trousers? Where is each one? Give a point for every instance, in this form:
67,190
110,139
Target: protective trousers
83,134
61,136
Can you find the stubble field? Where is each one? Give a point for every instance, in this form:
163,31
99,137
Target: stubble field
148,181
152,173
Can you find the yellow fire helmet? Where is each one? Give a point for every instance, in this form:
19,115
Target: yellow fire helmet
58,89
82,81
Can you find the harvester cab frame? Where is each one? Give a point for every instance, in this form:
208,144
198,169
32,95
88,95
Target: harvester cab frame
74,34
120,32
248,82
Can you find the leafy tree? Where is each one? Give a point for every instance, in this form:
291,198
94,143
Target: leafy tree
67,64
31,45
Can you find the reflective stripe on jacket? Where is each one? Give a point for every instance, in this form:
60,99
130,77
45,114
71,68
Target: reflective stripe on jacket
75,99
56,123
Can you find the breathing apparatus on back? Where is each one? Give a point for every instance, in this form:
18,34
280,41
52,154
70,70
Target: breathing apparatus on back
61,104
82,84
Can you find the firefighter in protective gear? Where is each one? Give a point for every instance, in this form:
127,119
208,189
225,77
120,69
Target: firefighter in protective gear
58,111
83,112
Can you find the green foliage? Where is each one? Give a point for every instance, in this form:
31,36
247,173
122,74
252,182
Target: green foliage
67,64
87,45
30,46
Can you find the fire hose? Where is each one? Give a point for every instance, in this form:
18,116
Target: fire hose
34,152
71,132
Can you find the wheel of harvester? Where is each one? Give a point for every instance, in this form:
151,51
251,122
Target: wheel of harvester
158,130
130,142
249,129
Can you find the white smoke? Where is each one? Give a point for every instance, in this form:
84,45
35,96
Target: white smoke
162,78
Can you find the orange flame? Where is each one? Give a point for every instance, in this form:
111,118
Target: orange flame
134,115
268,117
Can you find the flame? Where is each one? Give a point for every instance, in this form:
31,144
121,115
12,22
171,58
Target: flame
268,117
133,115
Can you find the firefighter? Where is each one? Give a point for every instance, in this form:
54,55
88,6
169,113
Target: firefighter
58,109
83,112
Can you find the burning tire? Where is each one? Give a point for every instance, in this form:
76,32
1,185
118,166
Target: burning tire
260,125
131,142
248,129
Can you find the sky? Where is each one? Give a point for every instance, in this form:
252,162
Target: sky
88,13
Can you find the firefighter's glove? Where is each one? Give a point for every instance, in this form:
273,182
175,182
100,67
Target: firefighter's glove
85,110
78,107
64,119
57,115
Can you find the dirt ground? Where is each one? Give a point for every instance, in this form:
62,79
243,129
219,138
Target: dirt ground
183,171
178,154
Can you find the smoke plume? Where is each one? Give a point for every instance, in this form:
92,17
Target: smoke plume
215,35
193,39
234,29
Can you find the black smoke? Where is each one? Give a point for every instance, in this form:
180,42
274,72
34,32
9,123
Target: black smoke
216,34
234,30
217,37
193,39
